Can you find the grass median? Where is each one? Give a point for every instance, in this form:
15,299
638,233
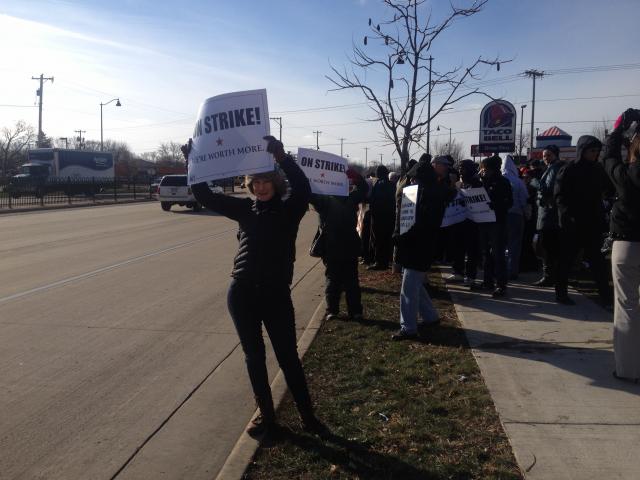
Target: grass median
396,410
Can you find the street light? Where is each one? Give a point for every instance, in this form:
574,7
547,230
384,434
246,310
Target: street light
522,107
438,129
118,104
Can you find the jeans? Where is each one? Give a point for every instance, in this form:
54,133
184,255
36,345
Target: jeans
515,230
250,306
493,242
414,299
342,275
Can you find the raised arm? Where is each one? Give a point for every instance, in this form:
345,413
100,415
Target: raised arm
231,207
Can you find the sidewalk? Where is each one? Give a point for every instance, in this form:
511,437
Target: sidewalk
549,370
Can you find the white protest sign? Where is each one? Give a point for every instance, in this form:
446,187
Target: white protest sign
456,211
227,138
408,208
326,172
477,201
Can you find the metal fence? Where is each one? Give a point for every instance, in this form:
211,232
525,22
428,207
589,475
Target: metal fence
14,195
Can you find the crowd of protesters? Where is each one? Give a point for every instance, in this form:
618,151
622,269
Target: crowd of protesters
545,212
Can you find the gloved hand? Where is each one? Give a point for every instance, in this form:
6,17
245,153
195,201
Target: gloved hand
186,149
625,120
275,148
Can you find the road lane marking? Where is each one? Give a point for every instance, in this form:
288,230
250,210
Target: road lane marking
110,267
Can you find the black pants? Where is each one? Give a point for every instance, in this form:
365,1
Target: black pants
342,275
252,305
493,242
382,230
466,248
551,245
571,242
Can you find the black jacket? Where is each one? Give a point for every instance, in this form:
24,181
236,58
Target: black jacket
579,192
268,230
625,215
547,208
417,247
339,218
382,202
500,194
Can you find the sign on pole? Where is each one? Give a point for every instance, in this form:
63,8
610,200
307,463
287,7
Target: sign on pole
327,173
227,138
408,208
497,127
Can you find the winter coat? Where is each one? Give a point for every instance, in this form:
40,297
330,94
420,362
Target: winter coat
625,215
382,201
547,209
518,188
579,191
500,194
417,247
338,218
267,230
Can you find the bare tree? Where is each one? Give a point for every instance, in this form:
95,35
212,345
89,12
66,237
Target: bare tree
456,149
14,143
600,130
169,153
407,39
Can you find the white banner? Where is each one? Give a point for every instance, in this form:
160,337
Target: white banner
408,208
227,138
326,172
456,211
477,201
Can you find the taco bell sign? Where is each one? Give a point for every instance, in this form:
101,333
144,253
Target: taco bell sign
498,127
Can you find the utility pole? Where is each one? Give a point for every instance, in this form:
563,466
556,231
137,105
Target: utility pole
341,142
533,74
522,107
278,120
80,132
42,79
66,142
317,134
429,110
366,156
380,159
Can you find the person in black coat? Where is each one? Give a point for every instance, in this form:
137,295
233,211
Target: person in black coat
262,273
625,254
417,248
579,192
493,235
341,245
382,205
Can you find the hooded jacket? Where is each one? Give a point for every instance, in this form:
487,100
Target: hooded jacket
579,191
547,208
625,215
267,230
417,247
518,188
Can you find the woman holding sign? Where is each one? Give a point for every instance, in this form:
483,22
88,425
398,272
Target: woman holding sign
262,272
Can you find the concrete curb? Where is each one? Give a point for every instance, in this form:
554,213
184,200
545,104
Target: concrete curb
73,205
245,448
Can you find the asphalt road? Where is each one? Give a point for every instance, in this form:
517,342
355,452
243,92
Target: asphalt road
118,358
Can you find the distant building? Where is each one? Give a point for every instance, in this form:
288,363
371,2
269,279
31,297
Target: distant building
554,136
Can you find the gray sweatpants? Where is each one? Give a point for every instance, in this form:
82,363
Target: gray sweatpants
625,264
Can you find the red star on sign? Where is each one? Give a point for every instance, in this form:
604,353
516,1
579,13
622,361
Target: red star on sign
322,175
219,141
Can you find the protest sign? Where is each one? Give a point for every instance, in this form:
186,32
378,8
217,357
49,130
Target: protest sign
227,138
456,211
408,208
326,172
477,202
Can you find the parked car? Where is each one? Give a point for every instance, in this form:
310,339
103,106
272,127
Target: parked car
173,190
154,187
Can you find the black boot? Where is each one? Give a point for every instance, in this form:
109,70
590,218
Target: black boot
265,420
310,422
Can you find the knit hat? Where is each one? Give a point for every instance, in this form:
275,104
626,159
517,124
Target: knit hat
272,176
493,163
440,160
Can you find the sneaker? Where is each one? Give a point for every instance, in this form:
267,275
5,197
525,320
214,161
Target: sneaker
499,292
331,316
453,277
543,282
402,335
468,282
564,300
261,425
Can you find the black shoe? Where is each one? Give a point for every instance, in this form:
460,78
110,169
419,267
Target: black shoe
261,425
402,335
564,300
311,424
499,292
486,286
377,266
543,282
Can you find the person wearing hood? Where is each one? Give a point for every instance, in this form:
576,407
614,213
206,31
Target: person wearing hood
383,215
547,222
625,254
262,273
579,191
417,248
515,216
493,235
341,245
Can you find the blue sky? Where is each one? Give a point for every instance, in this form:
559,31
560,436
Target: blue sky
163,58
